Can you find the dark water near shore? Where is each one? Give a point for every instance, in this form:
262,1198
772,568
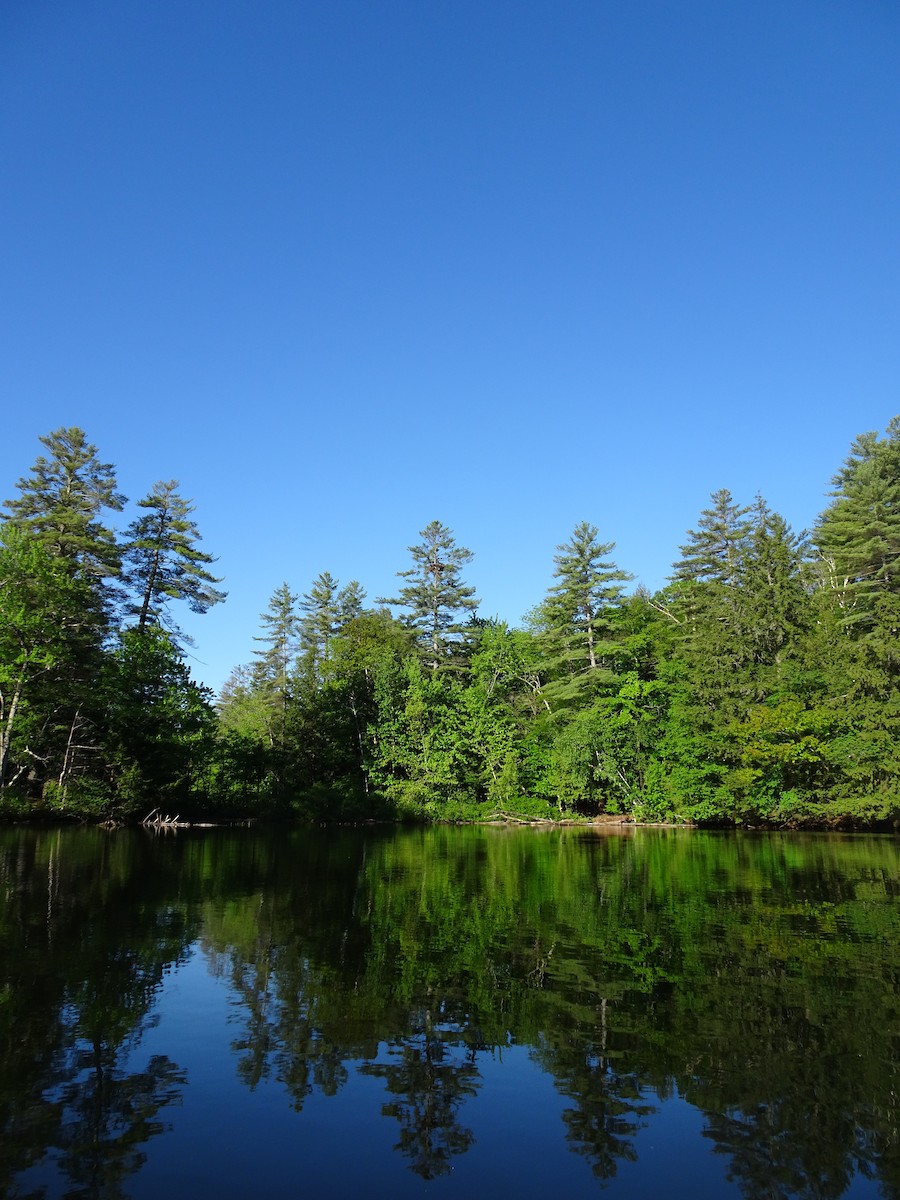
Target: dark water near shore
449,1011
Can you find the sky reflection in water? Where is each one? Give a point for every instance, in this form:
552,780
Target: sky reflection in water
449,1010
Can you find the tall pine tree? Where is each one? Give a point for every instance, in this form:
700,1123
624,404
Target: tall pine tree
162,559
63,500
858,535
435,594
576,612
272,671
62,509
326,609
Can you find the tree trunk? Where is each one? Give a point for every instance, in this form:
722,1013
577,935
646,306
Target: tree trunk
6,731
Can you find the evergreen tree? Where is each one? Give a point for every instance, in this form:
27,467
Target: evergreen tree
743,605
350,603
708,601
713,551
327,608
61,510
854,649
858,535
63,499
576,612
774,587
162,560
435,594
272,672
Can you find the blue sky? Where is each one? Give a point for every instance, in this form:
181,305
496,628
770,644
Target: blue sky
343,268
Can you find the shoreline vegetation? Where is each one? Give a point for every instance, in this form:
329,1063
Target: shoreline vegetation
759,689
611,823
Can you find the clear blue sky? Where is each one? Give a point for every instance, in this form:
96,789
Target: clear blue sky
344,268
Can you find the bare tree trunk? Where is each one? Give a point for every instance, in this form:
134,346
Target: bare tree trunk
6,731
63,775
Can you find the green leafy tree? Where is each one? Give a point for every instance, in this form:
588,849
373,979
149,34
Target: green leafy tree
364,671
503,698
62,505
423,756
435,595
159,723
241,707
42,635
162,559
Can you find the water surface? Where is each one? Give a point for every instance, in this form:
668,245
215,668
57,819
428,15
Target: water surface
448,1011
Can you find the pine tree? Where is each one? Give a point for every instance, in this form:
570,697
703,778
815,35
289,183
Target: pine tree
774,591
350,603
162,560
743,601
327,608
576,612
707,591
62,501
858,543
435,595
713,551
858,535
61,509
272,672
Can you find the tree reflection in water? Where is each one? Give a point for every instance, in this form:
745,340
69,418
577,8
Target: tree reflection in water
430,1071
609,1103
750,976
84,957
106,1115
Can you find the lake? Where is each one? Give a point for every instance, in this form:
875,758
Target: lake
449,1011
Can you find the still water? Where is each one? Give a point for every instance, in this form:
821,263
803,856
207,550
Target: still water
450,1011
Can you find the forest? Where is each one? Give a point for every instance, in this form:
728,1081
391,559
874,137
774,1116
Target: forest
761,686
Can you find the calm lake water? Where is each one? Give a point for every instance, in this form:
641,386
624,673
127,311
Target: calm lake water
451,1011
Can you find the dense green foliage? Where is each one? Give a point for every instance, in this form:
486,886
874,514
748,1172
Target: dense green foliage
98,713
761,685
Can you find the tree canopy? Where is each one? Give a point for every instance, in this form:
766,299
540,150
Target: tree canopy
761,685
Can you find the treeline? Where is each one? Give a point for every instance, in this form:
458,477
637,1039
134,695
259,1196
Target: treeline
760,685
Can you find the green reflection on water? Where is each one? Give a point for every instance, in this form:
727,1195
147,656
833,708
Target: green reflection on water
757,976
